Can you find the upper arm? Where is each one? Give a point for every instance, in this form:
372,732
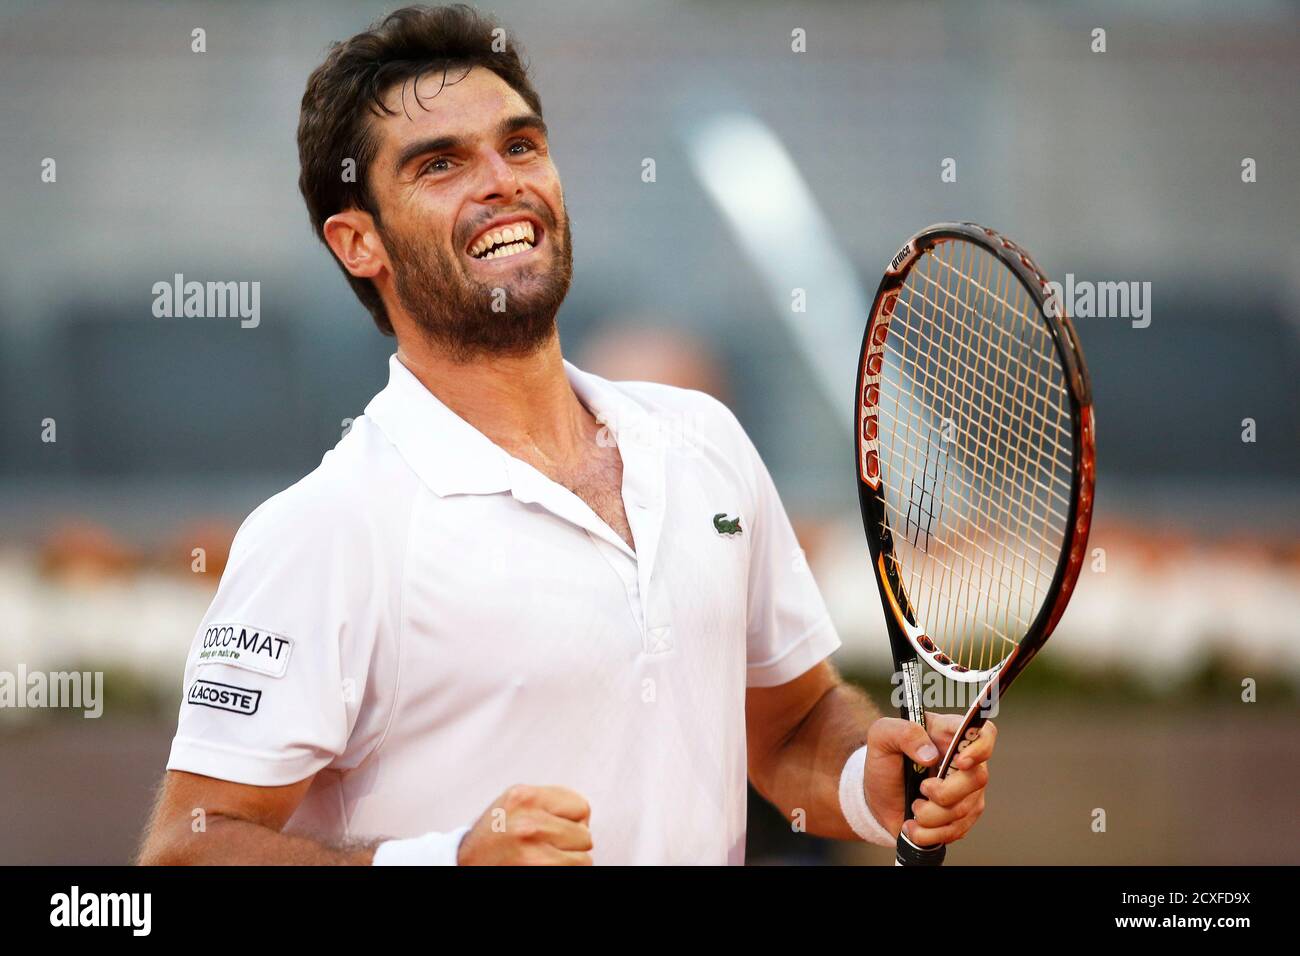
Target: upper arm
270,807
287,649
187,797
773,714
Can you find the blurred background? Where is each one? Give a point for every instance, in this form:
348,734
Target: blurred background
1123,165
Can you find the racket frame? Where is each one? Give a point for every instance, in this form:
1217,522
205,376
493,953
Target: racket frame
906,636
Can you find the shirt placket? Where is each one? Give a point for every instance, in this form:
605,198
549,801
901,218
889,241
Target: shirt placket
645,501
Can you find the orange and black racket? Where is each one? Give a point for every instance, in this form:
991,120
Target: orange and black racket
975,463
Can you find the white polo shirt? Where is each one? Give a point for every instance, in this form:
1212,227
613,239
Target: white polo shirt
425,620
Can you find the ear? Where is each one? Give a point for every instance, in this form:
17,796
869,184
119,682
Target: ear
352,237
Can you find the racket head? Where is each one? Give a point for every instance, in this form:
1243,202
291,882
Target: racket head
975,453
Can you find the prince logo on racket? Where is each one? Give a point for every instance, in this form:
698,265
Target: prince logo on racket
502,711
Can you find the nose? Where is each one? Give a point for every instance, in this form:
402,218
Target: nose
499,182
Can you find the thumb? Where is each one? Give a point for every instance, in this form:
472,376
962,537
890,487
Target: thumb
897,736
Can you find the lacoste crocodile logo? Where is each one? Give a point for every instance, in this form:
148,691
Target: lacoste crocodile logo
725,525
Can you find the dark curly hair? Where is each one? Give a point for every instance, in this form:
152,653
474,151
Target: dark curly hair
348,88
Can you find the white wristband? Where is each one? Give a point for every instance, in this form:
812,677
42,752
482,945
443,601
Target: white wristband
432,849
853,801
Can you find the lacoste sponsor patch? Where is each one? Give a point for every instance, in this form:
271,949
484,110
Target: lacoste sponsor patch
237,700
248,647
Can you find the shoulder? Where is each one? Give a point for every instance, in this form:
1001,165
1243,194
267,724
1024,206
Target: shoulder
356,497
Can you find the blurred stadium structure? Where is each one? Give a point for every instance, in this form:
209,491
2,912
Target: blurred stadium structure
1116,166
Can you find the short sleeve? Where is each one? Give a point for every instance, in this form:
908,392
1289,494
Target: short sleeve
280,662
789,629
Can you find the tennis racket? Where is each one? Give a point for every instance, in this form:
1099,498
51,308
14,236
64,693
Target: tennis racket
975,463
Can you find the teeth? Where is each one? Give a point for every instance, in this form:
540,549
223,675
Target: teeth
509,250
513,234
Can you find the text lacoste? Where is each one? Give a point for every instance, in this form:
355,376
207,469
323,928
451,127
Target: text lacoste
248,647
237,700
102,909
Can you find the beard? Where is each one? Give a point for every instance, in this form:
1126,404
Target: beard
455,311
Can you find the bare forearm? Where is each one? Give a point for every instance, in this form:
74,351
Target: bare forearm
231,842
802,774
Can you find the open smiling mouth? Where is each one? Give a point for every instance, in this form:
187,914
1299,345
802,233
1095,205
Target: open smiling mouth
507,241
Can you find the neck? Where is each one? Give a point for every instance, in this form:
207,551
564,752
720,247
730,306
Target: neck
522,403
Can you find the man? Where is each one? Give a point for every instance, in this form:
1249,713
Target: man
504,621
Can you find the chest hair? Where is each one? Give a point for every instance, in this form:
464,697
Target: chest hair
598,480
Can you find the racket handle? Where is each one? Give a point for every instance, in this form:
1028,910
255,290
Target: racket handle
907,853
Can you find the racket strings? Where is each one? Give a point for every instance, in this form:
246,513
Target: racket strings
1051,492
983,504
923,376
976,440
1008,575
1006,571
1014,310
971,354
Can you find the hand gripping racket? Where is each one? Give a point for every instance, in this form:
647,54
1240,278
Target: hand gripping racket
975,463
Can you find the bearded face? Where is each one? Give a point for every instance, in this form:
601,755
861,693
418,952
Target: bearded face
476,251
496,291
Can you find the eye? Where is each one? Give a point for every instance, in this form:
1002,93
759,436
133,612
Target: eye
439,164
519,146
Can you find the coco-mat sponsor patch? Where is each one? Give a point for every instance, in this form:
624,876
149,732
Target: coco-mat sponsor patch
240,645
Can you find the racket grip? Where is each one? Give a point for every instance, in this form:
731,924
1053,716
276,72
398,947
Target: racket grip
907,853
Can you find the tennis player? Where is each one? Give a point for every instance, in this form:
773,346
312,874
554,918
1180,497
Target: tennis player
505,621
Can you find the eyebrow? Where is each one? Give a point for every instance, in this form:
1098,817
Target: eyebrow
439,144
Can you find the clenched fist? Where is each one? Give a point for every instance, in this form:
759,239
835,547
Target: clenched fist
530,826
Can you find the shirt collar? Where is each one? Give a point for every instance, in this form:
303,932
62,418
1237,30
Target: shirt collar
453,457
449,454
